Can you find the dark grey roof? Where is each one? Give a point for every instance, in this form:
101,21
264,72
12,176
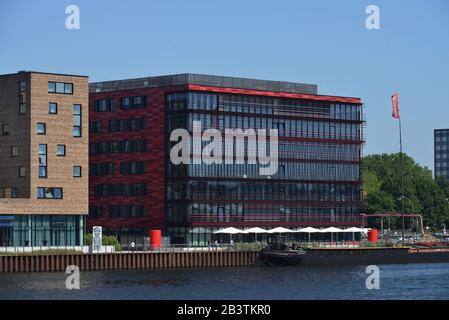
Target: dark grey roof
206,80
39,72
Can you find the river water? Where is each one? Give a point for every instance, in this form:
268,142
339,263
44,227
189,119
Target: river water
412,281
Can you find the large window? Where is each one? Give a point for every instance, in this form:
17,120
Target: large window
22,97
126,146
115,190
128,103
77,120
42,171
123,211
104,105
133,167
60,87
101,169
95,126
132,124
49,193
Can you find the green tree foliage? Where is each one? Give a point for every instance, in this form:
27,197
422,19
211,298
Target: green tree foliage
382,188
105,241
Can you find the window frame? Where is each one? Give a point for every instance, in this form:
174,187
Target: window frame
57,150
44,126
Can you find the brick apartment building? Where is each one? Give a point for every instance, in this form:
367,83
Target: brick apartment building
44,159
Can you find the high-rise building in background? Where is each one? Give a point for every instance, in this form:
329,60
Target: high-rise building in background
441,153
134,186
44,159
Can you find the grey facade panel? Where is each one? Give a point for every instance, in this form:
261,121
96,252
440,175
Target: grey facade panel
204,80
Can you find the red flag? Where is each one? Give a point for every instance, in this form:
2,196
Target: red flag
395,102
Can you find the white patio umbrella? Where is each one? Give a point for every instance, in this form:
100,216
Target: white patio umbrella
256,230
353,230
331,230
230,231
279,230
308,230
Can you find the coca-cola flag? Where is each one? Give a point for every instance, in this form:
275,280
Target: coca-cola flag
395,103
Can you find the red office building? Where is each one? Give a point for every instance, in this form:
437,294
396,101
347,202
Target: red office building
135,186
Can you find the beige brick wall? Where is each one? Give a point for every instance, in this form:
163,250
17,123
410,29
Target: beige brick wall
58,131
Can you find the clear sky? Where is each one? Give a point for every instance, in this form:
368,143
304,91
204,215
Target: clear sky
321,42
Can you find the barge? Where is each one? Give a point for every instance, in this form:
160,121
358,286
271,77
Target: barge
353,256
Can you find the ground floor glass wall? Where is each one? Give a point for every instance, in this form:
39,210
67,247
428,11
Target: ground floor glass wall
42,230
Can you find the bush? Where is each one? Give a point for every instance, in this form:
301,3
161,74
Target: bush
106,241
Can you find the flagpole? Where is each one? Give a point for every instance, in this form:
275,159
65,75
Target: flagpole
402,178
396,114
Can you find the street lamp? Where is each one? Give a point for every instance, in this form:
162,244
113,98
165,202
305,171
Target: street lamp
401,198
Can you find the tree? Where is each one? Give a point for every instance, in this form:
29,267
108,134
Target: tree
382,188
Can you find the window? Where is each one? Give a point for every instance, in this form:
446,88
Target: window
104,105
68,88
129,103
5,130
22,108
76,120
52,108
134,167
22,172
95,212
95,127
51,87
101,169
42,170
13,192
49,193
14,151
60,150
41,128
22,86
132,124
126,146
60,87
76,171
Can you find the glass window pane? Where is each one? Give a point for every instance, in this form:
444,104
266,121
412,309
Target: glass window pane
68,88
59,87
51,87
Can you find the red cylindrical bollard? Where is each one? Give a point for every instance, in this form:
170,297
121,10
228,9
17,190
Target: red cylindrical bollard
372,235
155,239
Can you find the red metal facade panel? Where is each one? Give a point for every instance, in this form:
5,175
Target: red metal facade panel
275,94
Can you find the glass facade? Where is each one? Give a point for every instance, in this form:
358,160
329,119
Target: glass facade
318,181
441,153
42,230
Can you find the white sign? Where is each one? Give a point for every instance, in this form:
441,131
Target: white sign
97,233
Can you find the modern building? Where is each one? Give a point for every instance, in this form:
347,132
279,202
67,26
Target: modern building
135,186
44,159
441,153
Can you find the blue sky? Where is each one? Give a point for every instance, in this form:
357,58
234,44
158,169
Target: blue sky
321,42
